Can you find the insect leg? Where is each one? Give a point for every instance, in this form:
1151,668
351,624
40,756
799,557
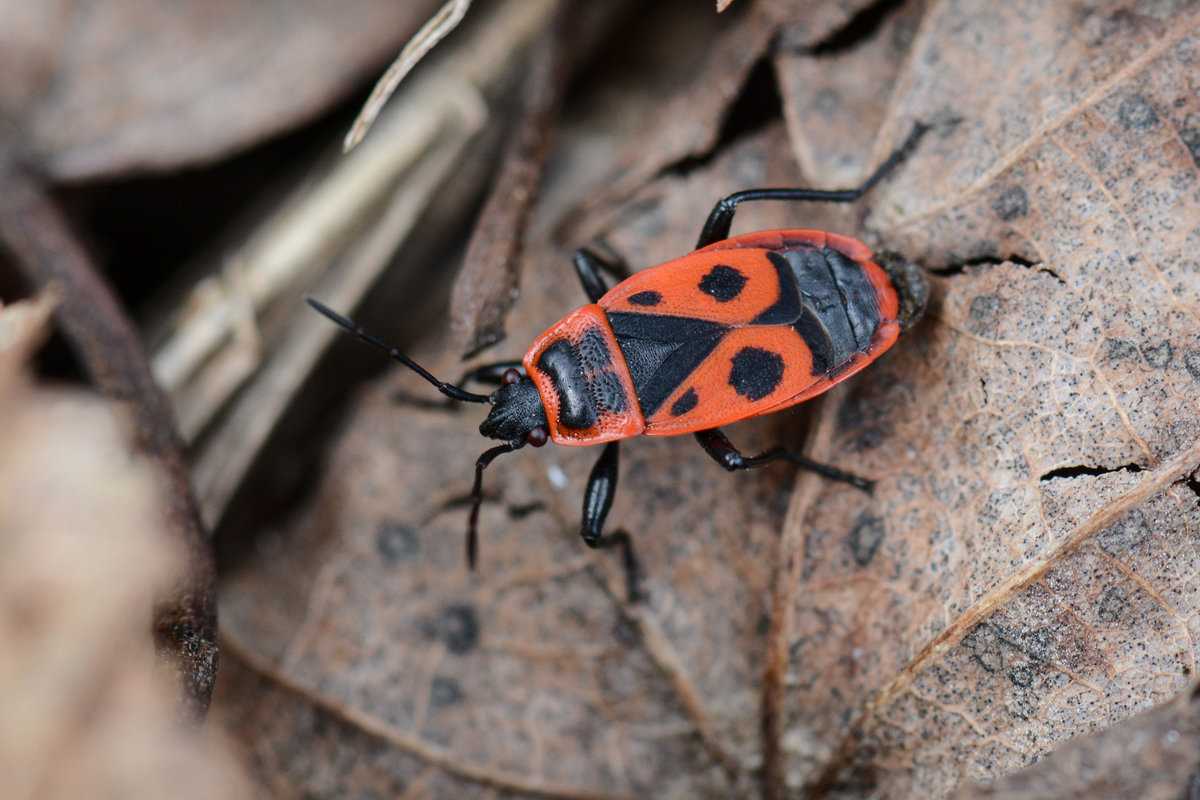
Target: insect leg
720,219
597,500
717,445
589,265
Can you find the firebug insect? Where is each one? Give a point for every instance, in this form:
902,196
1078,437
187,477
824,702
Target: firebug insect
738,328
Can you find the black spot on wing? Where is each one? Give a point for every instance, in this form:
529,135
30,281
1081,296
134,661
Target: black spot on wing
645,298
756,372
686,402
723,283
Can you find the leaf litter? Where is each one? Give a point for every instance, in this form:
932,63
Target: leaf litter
989,603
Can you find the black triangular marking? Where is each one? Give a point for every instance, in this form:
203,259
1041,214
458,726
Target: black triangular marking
662,351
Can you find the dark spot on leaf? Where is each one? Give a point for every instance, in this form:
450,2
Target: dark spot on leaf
866,537
1191,137
756,372
1012,203
1113,601
626,632
457,627
444,692
645,298
984,314
396,541
1021,676
984,647
1137,114
723,283
1119,349
1158,356
686,402
1128,532
1191,360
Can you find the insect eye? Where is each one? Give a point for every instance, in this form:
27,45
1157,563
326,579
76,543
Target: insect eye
537,437
510,377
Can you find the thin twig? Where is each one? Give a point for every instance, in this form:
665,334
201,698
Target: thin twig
487,285
437,28
46,250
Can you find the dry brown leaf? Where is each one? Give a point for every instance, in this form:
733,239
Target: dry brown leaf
1149,757
1025,573
105,88
89,711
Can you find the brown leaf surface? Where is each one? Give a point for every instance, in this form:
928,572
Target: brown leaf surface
1150,757
1025,573
101,88
88,711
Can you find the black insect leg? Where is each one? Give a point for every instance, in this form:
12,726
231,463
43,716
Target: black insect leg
492,374
481,464
717,445
597,500
720,219
589,265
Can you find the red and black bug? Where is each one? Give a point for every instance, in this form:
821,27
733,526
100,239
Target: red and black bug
740,327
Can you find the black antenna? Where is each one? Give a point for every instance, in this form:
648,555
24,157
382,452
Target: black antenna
448,389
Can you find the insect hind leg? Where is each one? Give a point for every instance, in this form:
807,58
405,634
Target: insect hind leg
718,446
720,219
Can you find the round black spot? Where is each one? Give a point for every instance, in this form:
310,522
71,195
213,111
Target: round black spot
865,538
645,298
756,372
723,283
686,402
444,692
1012,203
610,394
593,350
1191,360
396,541
1137,114
457,627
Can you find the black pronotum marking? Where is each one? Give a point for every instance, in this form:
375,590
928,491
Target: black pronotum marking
593,350
723,283
609,393
562,363
755,372
685,403
645,298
